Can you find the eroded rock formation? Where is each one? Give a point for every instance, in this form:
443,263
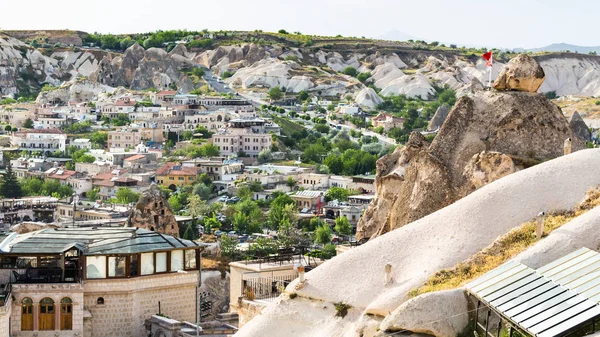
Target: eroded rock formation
485,137
153,212
579,127
522,73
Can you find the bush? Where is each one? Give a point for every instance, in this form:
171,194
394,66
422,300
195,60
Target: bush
363,77
283,31
227,74
551,95
322,128
350,71
341,309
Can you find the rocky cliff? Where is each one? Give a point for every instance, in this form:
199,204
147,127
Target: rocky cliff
485,137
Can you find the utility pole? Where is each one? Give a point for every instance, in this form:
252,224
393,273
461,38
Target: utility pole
74,207
198,297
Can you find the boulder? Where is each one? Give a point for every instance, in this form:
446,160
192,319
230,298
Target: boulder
419,179
440,314
580,129
522,73
439,117
368,98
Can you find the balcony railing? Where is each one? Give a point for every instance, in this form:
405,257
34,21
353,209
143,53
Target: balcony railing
44,275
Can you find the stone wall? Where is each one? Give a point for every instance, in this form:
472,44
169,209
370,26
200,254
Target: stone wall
247,310
5,313
56,292
129,302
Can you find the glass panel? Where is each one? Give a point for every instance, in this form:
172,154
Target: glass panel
190,259
133,265
147,263
26,262
177,260
49,262
8,261
161,262
96,267
116,266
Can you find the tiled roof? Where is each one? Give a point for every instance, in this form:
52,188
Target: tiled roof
308,194
60,174
167,169
136,157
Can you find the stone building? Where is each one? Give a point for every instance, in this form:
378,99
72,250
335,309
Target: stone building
153,213
96,282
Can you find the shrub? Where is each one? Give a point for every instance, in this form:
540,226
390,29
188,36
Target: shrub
551,94
341,309
350,71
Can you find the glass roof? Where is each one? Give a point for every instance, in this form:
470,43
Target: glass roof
92,241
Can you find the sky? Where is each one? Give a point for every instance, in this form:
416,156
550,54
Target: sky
488,23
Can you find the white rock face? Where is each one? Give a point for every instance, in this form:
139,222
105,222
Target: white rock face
368,98
440,314
410,86
271,73
572,76
383,74
418,250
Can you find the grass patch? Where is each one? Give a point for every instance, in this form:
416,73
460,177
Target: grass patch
506,247
288,127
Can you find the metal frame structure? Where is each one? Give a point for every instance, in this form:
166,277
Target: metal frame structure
557,300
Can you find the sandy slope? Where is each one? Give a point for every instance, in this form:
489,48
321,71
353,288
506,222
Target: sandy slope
423,247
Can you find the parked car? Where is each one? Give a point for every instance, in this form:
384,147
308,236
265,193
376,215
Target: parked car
232,200
232,234
243,238
223,198
218,233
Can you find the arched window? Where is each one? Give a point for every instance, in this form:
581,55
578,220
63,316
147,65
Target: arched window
27,314
46,318
66,314
100,300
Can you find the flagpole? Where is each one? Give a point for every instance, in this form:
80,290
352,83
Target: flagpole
491,66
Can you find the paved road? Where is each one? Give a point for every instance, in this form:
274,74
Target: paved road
221,88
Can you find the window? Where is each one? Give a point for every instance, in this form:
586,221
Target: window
49,262
116,266
27,314
177,260
24,262
161,262
147,263
46,317
96,267
133,265
100,301
66,314
190,259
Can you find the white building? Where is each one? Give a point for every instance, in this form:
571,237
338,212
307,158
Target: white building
40,140
244,135
349,110
82,143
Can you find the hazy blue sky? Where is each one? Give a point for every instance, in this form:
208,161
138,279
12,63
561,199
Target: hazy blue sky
507,23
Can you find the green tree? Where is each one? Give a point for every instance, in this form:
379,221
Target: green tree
282,207
350,71
191,233
291,182
302,96
109,41
342,226
175,203
196,206
99,139
363,77
337,193
244,192
334,163
275,93
314,153
198,71
10,187
8,128
323,235
264,156
28,124
228,246
204,191
126,195
322,128
126,43
211,223
92,194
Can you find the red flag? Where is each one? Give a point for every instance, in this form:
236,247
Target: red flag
488,57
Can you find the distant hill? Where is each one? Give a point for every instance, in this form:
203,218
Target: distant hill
560,47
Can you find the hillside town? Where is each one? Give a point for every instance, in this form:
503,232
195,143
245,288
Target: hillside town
279,183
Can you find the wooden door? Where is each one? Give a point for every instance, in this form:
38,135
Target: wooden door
46,319
27,315
66,314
